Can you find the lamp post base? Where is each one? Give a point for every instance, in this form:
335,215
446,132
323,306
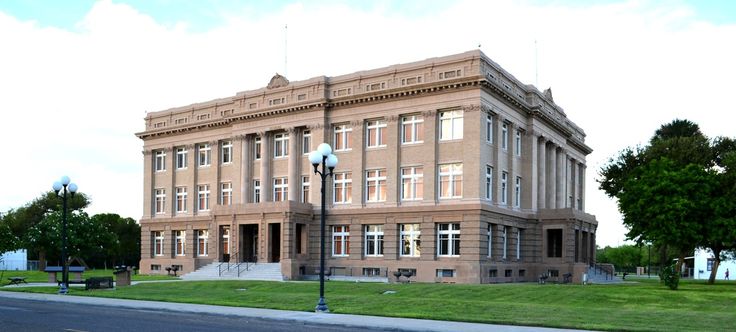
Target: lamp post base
321,306
63,289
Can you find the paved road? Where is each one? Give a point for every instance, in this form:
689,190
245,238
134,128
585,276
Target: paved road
32,315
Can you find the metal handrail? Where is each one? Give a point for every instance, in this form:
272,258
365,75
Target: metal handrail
247,267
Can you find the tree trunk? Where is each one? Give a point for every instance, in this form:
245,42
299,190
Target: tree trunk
41,260
680,261
716,262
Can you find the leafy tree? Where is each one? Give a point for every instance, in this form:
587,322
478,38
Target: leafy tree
8,241
125,247
84,237
720,237
625,257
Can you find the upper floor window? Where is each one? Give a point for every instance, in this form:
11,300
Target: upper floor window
517,192
257,148
340,240
305,189
412,183
375,133
504,136
451,180
181,199
489,128
489,236
226,193
343,140
203,197
204,154
374,240
489,182
412,129
518,243
160,160
504,187
280,189
256,191
227,152
448,239
281,145
181,157
451,125
306,142
160,201
410,240
342,193
517,143
375,183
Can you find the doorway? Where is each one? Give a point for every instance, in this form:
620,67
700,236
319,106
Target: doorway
274,231
250,243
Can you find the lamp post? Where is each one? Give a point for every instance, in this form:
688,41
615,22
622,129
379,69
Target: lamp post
64,186
323,155
649,261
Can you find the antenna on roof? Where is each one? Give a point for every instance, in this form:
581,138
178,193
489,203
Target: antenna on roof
286,30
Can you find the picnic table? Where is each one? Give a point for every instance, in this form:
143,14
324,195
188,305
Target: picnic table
75,271
17,280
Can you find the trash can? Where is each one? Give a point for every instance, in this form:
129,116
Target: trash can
122,275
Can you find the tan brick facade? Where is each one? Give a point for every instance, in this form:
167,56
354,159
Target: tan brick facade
439,132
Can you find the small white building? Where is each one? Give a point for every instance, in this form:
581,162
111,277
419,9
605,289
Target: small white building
704,260
14,260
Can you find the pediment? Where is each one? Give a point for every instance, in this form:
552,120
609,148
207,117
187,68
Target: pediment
277,81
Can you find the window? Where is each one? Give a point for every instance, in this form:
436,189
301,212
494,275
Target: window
522,273
204,154
180,240
158,243
301,239
517,143
451,181
227,152
489,128
305,189
410,240
445,273
508,273
504,136
340,240
505,241
160,201
342,137
225,240
375,86
155,267
489,234
375,183
517,192
226,193
204,197
375,133
280,189
371,272
181,158
489,182
448,239
412,183
257,148
281,145
554,243
202,241
342,193
518,244
451,125
306,142
160,160
493,273
504,185
181,121
412,129
256,191
181,199
374,240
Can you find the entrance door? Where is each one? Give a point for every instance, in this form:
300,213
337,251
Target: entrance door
275,241
225,243
250,243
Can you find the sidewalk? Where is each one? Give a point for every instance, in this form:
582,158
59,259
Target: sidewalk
398,324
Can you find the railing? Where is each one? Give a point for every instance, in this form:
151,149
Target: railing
605,269
226,265
247,267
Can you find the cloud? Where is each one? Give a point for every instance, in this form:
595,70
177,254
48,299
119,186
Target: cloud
72,98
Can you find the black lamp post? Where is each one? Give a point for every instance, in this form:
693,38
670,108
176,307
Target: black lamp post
649,261
64,186
323,155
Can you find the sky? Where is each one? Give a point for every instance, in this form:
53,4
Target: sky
78,77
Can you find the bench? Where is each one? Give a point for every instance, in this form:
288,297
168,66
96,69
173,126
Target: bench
567,278
98,283
543,278
76,272
17,280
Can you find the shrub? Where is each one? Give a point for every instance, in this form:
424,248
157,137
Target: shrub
670,277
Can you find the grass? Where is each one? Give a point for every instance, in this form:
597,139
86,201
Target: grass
642,306
40,276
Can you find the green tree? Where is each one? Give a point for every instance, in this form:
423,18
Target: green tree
125,247
720,236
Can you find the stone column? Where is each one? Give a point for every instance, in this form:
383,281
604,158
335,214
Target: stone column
294,157
552,177
582,187
573,183
246,169
192,163
171,171
265,176
560,179
542,173
430,159
148,195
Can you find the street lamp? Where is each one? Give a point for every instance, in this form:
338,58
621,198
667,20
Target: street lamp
323,155
64,186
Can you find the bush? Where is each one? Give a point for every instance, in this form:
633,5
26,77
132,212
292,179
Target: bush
670,277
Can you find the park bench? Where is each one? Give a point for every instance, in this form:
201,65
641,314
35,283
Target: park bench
17,280
75,278
543,278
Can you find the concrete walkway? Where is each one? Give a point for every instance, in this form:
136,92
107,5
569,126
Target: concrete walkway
398,324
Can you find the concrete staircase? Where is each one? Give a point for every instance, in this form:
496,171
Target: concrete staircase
255,271
596,276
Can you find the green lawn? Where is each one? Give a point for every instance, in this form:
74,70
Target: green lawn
40,276
643,306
